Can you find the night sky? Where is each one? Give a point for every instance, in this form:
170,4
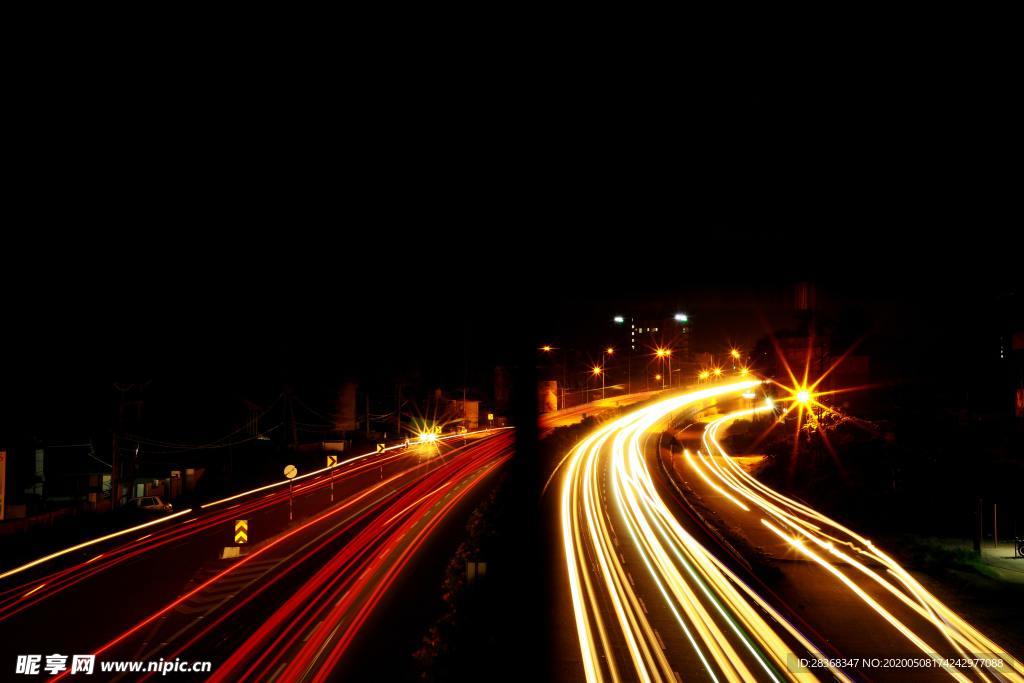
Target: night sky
229,254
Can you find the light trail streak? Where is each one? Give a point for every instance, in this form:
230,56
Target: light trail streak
608,493
339,597
11,601
804,528
86,544
380,486
268,487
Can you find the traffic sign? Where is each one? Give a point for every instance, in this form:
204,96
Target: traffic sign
290,471
332,460
381,447
490,417
241,531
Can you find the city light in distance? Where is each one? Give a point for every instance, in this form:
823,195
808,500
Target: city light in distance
682,317
619,319
546,347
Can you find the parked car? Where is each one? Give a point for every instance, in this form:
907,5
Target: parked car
152,504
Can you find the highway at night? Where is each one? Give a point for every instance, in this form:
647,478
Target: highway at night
291,601
659,593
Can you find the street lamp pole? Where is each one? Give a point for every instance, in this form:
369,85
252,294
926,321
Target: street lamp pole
604,365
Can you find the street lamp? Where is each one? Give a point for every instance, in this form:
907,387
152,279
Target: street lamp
604,364
597,371
665,353
735,353
547,349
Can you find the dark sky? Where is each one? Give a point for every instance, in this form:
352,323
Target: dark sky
232,238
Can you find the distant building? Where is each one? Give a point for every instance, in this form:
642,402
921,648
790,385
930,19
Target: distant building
641,334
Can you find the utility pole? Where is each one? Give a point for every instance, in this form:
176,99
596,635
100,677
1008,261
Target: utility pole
115,468
978,512
115,451
398,409
367,415
995,524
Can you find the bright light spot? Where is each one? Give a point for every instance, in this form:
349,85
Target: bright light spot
682,317
735,353
609,350
546,347
619,319
748,394
597,370
803,396
657,377
717,372
744,372
427,437
703,375
769,402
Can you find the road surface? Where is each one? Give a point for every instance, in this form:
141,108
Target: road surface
659,594
576,414
164,591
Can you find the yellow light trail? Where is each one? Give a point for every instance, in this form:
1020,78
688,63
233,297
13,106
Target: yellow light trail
609,505
819,538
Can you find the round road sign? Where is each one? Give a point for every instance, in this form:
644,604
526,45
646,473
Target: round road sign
290,471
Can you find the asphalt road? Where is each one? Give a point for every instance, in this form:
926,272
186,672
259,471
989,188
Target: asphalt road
696,571
850,594
165,592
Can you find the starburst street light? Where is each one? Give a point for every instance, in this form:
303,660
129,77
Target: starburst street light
717,372
802,397
704,375
663,353
735,353
546,348
596,370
